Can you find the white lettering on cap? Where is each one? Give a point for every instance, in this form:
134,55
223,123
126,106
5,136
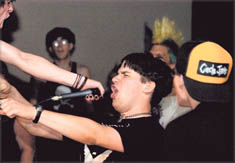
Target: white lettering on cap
212,69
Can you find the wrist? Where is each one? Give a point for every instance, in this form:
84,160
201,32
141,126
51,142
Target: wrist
79,82
38,109
82,83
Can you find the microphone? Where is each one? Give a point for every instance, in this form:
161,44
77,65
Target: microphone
93,91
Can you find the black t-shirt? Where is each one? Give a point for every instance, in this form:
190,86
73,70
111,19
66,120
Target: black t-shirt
204,134
142,139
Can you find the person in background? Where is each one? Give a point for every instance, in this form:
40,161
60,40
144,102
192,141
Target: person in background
35,65
201,82
166,40
137,88
60,44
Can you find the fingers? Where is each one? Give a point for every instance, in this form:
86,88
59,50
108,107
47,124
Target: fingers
5,109
101,88
91,97
94,84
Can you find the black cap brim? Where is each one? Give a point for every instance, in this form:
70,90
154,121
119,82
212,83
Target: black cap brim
208,92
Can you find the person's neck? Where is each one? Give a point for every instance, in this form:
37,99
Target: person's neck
137,115
141,111
64,63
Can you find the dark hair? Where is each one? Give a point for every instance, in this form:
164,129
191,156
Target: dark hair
151,69
172,47
56,32
183,54
2,2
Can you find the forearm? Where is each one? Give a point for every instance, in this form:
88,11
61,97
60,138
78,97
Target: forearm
83,130
39,129
77,128
42,68
51,124
35,65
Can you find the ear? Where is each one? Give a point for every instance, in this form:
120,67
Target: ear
149,87
71,46
50,49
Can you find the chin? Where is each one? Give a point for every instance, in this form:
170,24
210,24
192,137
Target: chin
116,106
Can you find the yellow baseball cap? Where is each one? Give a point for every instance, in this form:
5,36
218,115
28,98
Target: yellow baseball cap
208,70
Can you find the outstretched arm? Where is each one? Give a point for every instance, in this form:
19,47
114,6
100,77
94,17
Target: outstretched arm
54,125
40,67
77,128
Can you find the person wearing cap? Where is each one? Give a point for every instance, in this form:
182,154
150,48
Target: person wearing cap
165,45
201,82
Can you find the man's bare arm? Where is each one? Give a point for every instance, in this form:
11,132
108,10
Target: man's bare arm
40,67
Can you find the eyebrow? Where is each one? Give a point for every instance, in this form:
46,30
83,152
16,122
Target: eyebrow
124,72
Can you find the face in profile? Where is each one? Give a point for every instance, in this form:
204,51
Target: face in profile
5,11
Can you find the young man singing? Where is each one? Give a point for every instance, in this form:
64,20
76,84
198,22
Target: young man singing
139,85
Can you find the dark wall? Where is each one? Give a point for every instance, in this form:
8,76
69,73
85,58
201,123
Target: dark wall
214,20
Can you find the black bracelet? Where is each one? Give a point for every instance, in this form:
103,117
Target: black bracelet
73,86
83,83
39,111
80,77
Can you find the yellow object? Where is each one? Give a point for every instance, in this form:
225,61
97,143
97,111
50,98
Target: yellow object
209,63
166,29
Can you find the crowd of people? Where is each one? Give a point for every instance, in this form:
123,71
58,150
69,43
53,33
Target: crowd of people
170,103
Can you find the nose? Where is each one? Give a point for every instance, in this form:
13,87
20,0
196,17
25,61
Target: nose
10,9
115,78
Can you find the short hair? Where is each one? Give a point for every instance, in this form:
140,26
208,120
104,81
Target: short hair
152,69
56,32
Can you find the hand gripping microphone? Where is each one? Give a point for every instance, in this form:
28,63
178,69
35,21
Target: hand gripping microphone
93,91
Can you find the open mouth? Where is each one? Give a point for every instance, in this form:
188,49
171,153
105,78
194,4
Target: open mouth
114,92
